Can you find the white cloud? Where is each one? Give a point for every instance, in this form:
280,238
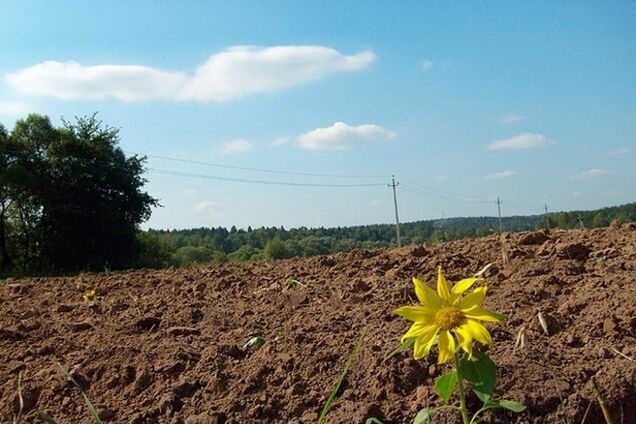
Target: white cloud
622,151
500,175
512,118
376,202
341,136
14,108
240,145
520,141
71,80
592,173
441,177
190,192
212,209
427,65
280,141
236,72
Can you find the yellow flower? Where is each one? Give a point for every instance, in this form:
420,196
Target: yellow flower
448,316
90,296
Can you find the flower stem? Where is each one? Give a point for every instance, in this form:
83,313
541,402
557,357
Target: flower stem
462,395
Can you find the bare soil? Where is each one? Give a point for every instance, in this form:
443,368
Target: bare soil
167,346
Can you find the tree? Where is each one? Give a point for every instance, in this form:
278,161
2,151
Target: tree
6,264
74,199
94,201
276,249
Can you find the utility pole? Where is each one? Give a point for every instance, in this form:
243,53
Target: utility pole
499,202
545,216
397,219
581,226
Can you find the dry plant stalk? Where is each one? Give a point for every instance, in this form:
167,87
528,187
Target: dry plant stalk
601,402
18,418
520,341
543,323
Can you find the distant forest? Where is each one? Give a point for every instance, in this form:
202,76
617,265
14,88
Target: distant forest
202,245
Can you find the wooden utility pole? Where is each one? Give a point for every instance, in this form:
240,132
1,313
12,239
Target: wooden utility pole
545,216
499,202
581,226
397,219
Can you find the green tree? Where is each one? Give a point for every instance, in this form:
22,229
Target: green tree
192,254
74,200
276,249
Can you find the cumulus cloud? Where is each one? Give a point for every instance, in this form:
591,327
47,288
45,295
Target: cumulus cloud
520,141
592,173
511,118
500,175
14,108
240,145
622,151
341,136
71,80
236,72
212,209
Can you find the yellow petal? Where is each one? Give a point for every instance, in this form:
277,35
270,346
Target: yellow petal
442,285
446,347
462,285
416,313
484,315
424,343
426,295
473,300
416,330
465,338
478,332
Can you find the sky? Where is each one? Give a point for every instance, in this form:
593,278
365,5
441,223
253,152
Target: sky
287,113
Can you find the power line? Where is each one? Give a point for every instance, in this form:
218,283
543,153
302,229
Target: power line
252,181
460,197
245,168
410,188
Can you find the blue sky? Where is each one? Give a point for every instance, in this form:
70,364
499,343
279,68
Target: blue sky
534,102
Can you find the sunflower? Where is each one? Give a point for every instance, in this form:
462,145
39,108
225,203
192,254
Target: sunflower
448,317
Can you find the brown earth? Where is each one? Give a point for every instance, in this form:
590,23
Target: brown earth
167,346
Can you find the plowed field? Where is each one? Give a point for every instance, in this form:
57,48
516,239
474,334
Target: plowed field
167,346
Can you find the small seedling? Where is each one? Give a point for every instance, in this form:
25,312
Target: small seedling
334,390
89,404
254,343
292,283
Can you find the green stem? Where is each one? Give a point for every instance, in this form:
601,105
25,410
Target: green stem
462,395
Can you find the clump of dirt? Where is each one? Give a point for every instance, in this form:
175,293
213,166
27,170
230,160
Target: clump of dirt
168,346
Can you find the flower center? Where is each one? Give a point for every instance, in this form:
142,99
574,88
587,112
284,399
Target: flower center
449,317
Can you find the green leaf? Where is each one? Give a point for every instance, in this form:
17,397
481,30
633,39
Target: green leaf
424,416
511,405
373,420
254,343
445,385
334,390
480,372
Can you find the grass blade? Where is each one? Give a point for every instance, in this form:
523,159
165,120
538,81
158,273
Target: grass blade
88,402
336,386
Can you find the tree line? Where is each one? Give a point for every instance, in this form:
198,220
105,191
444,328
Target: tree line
69,198
202,245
